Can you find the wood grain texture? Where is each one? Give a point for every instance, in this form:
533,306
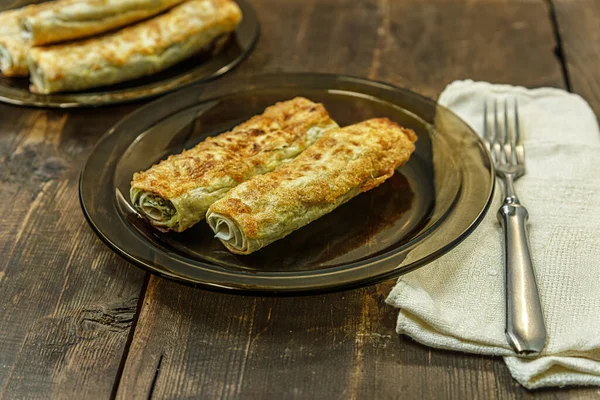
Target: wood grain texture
422,45
68,304
337,346
580,44
191,343
66,301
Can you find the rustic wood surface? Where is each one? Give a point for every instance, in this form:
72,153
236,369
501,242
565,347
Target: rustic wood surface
79,322
577,23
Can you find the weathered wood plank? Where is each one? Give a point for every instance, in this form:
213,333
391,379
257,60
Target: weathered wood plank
192,343
435,42
580,38
66,301
420,45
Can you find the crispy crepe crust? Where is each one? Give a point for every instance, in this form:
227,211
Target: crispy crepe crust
74,19
142,49
197,177
13,48
13,55
342,164
11,15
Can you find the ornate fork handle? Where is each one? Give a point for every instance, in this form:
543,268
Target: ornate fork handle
524,319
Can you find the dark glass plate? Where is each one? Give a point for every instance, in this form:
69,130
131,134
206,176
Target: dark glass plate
427,208
199,68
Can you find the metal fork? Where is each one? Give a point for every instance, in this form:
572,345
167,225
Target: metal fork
525,328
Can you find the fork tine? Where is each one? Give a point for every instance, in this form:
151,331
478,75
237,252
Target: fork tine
505,141
508,138
495,121
519,149
517,131
497,141
486,128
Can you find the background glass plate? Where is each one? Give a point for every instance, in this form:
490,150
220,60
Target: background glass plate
201,67
428,207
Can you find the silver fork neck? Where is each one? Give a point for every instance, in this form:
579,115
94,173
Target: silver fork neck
510,196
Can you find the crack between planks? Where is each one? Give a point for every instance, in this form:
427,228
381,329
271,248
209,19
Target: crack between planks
246,350
136,318
559,51
155,378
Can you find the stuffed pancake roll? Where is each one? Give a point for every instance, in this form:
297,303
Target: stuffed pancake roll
175,194
135,51
13,47
74,19
343,163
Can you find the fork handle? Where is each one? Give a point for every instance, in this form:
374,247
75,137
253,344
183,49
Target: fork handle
525,328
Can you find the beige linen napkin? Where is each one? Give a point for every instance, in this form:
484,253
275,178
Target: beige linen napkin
457,302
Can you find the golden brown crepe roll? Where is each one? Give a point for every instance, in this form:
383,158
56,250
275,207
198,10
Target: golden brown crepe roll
343,163
74,19
142,49
13,48
175,194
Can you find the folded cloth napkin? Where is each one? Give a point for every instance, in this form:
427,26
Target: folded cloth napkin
457,302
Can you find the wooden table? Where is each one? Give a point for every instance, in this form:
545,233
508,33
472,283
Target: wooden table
78,322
